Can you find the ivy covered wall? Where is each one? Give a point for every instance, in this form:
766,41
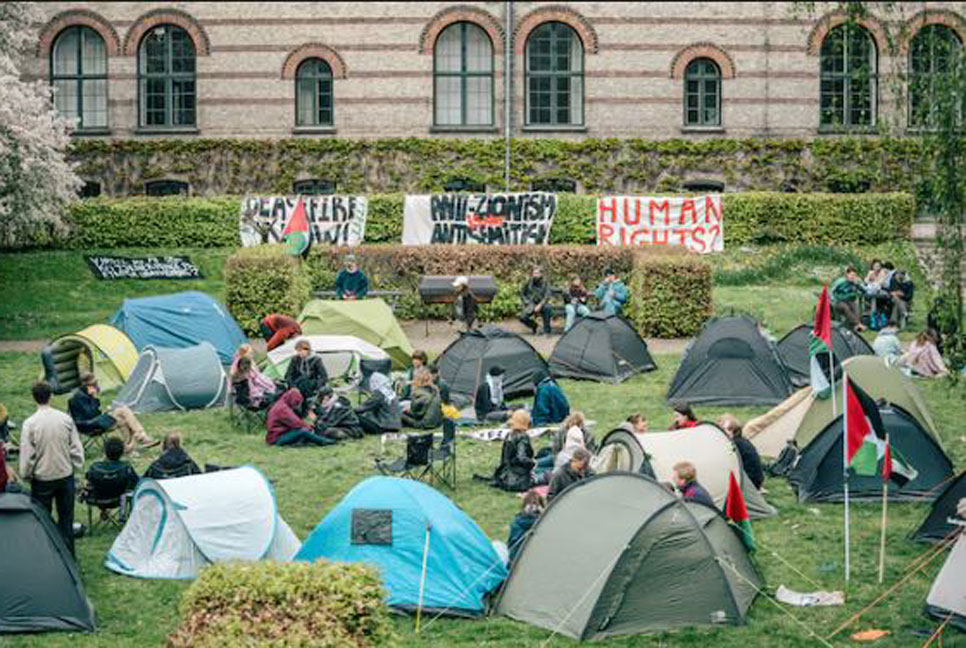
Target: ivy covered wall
634,166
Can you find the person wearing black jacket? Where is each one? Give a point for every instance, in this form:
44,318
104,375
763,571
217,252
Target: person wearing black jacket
489,403
382,412
334,416
464,302
306,372
173,462
85,408
750,460
516,457
571,473
535,296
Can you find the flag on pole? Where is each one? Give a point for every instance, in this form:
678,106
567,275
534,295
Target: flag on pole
296,232
820,347
896,467
865,434
737,512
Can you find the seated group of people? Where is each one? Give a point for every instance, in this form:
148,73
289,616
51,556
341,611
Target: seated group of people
550,404
536,295
882,298
173,462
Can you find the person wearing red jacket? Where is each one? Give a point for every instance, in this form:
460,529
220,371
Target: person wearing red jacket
286,427
277,328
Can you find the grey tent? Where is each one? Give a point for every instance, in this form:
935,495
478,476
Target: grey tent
818,474
601,347
793,349
40,587
947,596
640,548
731,362
175,379
465,363
937,526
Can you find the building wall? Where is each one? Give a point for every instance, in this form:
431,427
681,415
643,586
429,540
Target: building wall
630,49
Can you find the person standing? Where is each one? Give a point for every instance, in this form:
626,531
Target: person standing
612,293
351,283
577,297
535,296
464,302
750,459
50,452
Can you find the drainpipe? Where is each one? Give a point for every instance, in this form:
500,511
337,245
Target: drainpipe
507,89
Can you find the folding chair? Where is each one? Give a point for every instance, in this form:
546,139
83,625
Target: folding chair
242,416
416,464
442,460
105,491
181,471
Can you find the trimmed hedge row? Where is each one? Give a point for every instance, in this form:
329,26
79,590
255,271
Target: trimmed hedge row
750,218
671,290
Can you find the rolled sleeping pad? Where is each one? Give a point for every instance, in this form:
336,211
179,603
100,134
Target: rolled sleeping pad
61,381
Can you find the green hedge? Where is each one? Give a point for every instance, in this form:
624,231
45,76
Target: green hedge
284,604
670,294
749,218
263,280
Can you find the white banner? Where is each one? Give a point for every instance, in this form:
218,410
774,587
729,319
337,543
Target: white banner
332,220
481,219
693,222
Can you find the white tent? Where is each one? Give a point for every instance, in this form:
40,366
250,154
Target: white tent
706,446
340,354
177,526
947,596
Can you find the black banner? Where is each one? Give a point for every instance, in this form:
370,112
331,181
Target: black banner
156,267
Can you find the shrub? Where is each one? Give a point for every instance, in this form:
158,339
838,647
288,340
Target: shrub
284,604
670,293
263,280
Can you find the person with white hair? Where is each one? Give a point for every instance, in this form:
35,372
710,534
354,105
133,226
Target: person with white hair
351,283
464,302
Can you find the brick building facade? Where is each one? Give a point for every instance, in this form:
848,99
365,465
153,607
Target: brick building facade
436,69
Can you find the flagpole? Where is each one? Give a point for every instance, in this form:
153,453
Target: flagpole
845,463
885,520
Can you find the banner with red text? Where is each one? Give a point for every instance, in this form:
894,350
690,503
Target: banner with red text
693,222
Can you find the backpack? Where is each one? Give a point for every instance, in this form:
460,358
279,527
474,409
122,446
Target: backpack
786,460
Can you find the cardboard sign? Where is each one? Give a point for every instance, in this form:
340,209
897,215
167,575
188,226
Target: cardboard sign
693,222
480,219
332,220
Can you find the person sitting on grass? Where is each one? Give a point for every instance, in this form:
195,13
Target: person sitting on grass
250,387
100,471
845,295
636,423
750,460
923,358
351,283
570,473
530,511
276,329
550,405
686,481
684,417
577,296
464,302
611,293
441,385
286,427
575,438
535,296
886,345
489,403
515,472
574,420
306,371
334,416
85,408
419,361
425,411
174,461
382,411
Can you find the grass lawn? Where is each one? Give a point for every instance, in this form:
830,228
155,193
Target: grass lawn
801,548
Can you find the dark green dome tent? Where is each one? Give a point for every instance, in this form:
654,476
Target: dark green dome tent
731,362
465,363
601,347
610,555
793,349
818,474
40,587
937,527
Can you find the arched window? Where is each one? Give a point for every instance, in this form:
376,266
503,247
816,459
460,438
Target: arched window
702,93
166,78
930,54
313,93
555,76
78,72
463,76
848,78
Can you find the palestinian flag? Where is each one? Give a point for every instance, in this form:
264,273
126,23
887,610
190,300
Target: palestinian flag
737,512
895,466
296,232
820,348
865,434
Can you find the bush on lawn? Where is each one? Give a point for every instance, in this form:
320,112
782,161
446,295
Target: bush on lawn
262,280
670,293
284,604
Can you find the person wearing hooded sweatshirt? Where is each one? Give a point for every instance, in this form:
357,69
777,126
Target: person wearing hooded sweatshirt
550,405
887,346
426,408
382,412
489,403
574,440
173,460
286,427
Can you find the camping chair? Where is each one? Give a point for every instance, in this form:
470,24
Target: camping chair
240,415
442,460
105,491
182,471
417,462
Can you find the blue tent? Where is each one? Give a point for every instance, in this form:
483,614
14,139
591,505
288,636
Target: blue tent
383,522
180,320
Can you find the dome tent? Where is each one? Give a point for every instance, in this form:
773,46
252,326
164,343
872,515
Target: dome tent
640,546
465,363
41,585
947,596
601,347
341,355
370,320
384,521
730,362
180,320
101,349
937,526
175,379
177,526
706,446
793,348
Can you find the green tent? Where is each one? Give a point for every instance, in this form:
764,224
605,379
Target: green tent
367,319
619,554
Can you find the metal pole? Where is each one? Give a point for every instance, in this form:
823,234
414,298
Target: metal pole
507,90
422,580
